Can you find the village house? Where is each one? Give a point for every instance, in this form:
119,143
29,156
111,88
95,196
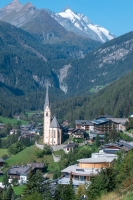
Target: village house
37,166
78,133
27,127
28,135
102,125
13,131
69,131
119,123
86,168
19,172
84,124
117,146
69,147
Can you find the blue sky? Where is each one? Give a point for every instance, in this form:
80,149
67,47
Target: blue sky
114,15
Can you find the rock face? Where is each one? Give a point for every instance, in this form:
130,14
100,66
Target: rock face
50,25
30,18
80,24
63,73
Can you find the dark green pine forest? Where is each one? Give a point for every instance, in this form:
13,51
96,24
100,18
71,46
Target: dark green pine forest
115,99
27,64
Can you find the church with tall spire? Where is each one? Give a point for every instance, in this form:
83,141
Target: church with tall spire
52,129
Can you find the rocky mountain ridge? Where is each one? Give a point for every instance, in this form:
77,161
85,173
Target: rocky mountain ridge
45,28
102,66
26,16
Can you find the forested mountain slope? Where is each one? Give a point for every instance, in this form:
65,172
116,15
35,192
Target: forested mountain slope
104,65
23,59
26,65
116,100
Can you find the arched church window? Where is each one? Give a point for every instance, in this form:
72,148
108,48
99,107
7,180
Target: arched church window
47,114
58,134
51,134
54,134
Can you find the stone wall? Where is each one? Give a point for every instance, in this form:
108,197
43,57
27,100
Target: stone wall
39,146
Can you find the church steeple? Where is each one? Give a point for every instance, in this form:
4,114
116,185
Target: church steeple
46,99
47,118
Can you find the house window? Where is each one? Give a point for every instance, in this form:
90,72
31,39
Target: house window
82,178
76,178
66,175
54,134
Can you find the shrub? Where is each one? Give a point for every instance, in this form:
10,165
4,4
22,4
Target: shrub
4,156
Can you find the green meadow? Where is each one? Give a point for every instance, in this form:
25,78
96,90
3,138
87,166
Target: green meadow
28,155
14,121
2,152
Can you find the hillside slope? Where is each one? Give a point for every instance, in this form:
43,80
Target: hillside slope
104,65
116,99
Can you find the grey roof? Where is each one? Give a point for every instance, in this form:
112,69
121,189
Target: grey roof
36,165
54,123
100,121
75,169
70,145
78,132
84,122
119,120
126,145
97,160
1,160
120,145
46,99
2,124
18,170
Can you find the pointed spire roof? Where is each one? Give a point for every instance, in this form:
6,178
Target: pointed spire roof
54,123
46,99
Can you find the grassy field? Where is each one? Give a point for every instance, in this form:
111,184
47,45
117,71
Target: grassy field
115,196
97,88
6,120
2,152
19,189
29,114
28,155
59,152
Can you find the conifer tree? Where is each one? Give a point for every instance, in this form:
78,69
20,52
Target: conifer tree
5,180
8,193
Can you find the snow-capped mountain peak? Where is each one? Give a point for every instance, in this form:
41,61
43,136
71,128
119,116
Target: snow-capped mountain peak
69,14
80,24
